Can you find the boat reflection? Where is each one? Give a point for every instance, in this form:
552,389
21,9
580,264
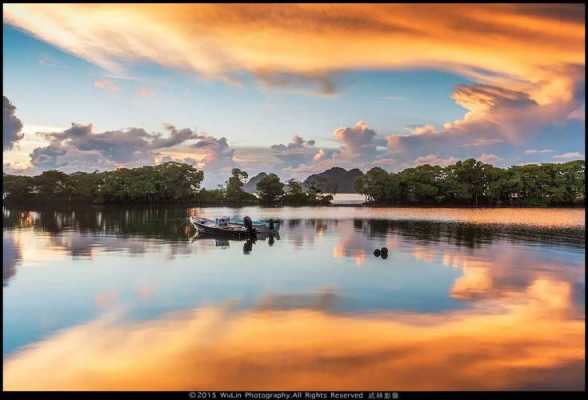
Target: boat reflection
248,243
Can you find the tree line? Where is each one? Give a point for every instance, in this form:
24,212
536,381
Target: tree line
474,183
465,183
171,182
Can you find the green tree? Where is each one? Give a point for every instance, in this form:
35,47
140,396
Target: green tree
180,181
85,186
212,197
52,185
500,186
421,184
17,187
294,194
376,185
270,189
234,187
468,180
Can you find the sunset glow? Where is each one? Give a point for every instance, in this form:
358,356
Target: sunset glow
515,76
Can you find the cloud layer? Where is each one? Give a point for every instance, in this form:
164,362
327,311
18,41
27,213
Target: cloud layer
297,152
494,44
79,148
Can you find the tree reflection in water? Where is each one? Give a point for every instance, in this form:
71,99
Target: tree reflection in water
454,306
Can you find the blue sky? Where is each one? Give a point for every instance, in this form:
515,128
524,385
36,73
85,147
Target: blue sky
34,72
355,96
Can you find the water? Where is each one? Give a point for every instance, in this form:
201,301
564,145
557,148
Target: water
129,299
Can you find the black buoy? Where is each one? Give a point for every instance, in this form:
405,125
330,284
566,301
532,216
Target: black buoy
377,252
384,252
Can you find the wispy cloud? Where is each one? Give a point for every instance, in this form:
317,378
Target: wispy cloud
49,61
537,151
144,92
106,84
569,156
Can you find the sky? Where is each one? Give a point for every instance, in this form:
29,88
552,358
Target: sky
292,89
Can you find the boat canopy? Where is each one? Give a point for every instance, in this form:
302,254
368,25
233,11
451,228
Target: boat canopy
222,221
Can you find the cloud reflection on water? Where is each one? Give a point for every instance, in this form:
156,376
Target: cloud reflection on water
520,323
11,255
526,341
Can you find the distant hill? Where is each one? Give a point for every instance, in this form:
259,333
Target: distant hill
334,180
251,185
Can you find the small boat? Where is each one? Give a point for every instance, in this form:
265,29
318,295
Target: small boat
220,226
235,227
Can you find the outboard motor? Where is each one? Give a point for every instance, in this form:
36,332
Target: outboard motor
248,225
271,224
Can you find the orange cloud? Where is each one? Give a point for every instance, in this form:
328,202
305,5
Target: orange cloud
524,46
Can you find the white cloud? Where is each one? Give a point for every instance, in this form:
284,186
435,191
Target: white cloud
358,142
298,151
106,84
79,148
483,142
434,159
537,151
569,156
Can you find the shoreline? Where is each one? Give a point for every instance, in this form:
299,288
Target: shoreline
77,204
566,224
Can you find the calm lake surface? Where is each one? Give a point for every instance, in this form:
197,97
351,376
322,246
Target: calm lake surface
132,299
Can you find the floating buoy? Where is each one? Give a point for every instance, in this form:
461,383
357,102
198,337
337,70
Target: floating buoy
384,255
377,252
384,250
